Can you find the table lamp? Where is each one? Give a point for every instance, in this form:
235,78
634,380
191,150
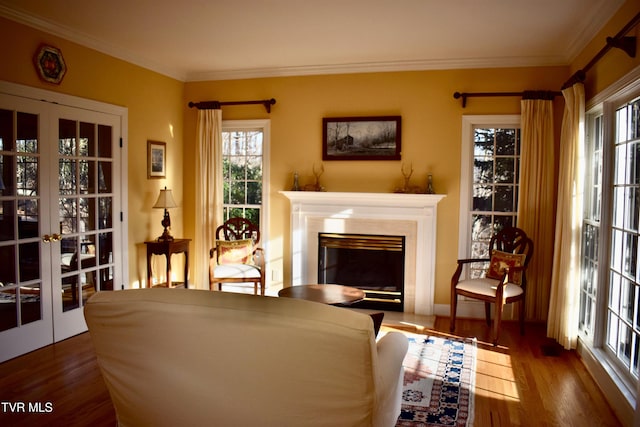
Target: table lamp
165,201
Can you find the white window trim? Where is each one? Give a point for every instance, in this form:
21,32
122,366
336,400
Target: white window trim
466,169
265,126
602,245
620,394
469,307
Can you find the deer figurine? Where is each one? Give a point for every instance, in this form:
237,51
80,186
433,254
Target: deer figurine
318,174
407,177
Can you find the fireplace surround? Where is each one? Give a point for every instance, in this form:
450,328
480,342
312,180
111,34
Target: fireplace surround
370,262
412,216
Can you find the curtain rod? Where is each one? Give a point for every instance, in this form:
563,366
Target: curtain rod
619,41
215,105
527,94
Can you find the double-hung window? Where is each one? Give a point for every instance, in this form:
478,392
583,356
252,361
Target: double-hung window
245,149
623,315
589,256
609,315
489,182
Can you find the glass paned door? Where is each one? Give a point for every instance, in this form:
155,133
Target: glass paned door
58,193
25,291
85,148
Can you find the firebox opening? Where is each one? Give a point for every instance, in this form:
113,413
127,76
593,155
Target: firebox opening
373,263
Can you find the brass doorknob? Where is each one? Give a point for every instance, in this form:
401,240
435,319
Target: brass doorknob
55,237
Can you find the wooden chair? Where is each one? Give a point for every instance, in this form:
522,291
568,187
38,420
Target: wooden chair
505,281
236,257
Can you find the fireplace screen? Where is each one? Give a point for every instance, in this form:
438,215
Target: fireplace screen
372,263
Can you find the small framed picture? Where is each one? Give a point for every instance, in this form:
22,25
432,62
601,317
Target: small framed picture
361,138
156,159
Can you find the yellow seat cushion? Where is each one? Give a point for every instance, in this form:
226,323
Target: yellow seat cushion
235,251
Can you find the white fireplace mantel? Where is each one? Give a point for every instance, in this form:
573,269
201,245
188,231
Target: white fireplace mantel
413,216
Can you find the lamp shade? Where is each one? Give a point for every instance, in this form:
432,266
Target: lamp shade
165,200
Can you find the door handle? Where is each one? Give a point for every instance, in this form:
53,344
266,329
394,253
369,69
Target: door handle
53,238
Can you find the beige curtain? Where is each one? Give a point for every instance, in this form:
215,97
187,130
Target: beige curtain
536,201
565,284
208,190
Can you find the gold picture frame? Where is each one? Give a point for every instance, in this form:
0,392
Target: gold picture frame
156,159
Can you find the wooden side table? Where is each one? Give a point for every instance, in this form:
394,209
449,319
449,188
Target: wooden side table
167,249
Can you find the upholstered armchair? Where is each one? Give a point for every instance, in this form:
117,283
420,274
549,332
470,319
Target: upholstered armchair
237,256
189,357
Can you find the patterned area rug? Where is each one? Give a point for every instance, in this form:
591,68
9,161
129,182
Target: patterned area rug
439,379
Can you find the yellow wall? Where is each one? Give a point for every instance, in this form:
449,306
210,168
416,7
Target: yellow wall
431,128
154,105
431,136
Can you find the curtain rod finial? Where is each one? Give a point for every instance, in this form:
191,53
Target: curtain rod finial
268,103
626,44
458,95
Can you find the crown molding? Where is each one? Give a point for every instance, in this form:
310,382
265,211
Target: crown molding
607,9
378,67
594,25
87,41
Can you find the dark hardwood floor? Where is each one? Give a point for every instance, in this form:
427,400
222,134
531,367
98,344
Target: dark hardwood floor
525,381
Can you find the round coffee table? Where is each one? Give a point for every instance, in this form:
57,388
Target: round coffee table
325,294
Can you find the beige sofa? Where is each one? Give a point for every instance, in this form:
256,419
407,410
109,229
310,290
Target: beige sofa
184,357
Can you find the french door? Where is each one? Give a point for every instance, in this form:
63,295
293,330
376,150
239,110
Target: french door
60,197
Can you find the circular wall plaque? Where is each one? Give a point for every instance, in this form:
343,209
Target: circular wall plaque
50,64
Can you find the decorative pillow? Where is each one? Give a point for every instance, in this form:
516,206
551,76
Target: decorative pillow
503,260
235,251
